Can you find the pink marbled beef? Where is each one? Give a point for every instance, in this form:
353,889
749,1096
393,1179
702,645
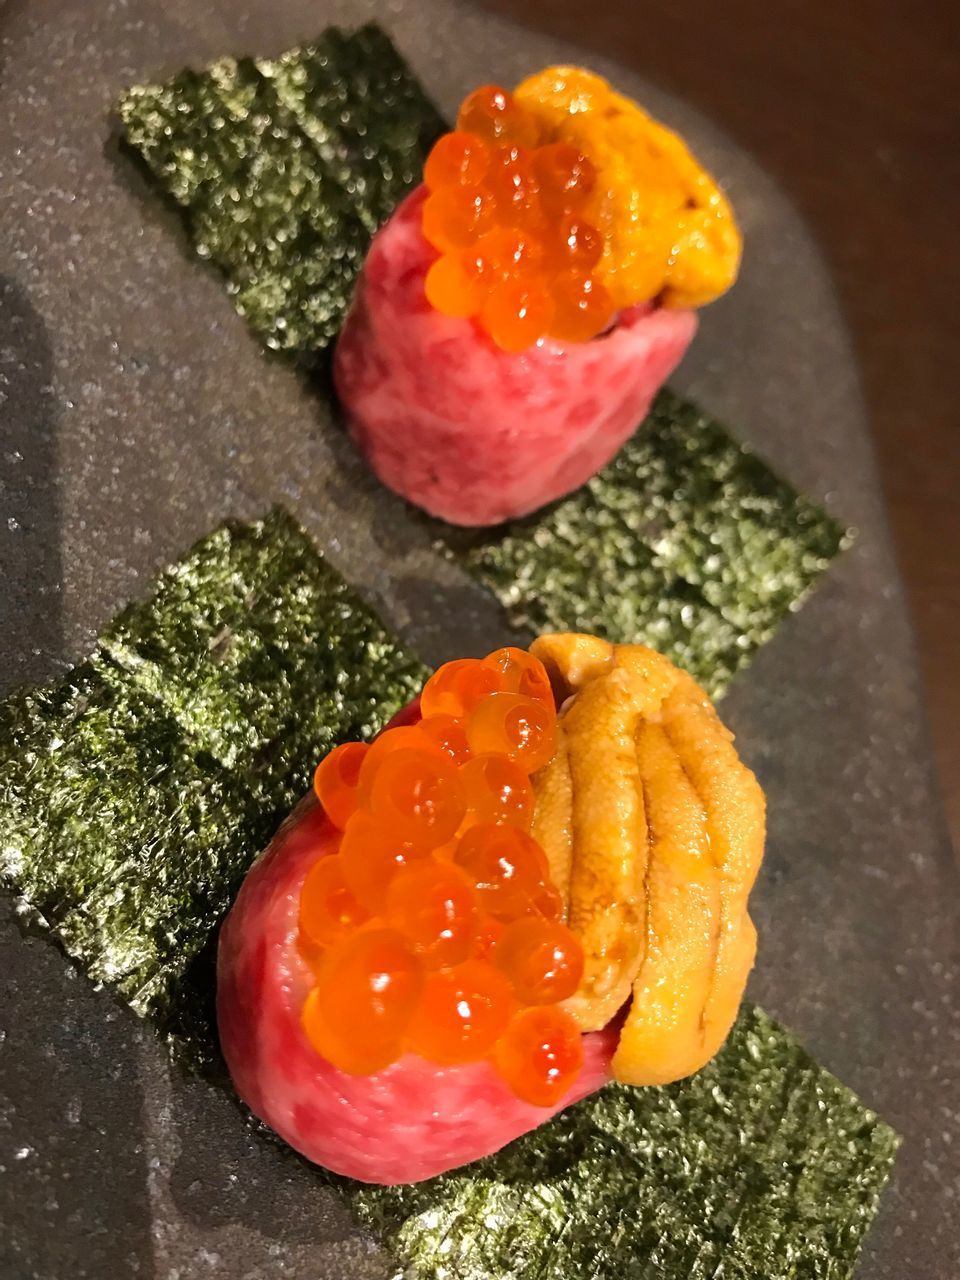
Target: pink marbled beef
472,433
409,1122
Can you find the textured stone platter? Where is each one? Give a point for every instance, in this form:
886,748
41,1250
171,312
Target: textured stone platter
138,412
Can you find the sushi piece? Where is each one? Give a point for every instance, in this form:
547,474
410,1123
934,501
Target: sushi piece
532,882
519,311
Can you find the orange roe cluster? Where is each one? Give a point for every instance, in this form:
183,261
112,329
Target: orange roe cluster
554,207
433,926
507,213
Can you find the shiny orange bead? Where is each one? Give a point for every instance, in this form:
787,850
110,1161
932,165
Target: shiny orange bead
434,906
456,686
520,672
371,854
456,160
531,219
512,184
516,314
505,253
452,289
491,113
540,1055
407,737
360,1058
335,781
420,795
477,268
574,245
489,932
522,729
462,1013
367,990
506,865
497,791
328,908
541,901
565,177
542,959
455,217
449,735
582,307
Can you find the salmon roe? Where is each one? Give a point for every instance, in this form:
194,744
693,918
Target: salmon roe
371,854
505,212
458,160
610,209
507,866
328,908
540,1055
335,781
497,790
492,113
463,1013
542,959
434,928
520,728
436,909
418,795
364,1000
521,672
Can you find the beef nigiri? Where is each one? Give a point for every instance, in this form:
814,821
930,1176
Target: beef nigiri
518,313
532,883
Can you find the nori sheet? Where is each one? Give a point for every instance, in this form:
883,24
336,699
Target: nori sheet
133,796
263,654
686,541
285,167
763,1164
126,843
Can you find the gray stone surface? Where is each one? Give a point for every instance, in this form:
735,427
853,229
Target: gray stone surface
136,412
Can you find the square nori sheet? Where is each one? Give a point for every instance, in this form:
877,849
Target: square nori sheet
263,654
686,541
285,167
133,797
135,794
762,1165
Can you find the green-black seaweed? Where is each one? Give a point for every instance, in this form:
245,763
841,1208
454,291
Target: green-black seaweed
283,169
686,541
761,1165
135,794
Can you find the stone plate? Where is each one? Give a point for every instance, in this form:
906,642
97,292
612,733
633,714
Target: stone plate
137,412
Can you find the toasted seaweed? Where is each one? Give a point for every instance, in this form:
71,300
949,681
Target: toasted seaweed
128,845
134,796
263,654
762,1164
136,793
285,167
686,541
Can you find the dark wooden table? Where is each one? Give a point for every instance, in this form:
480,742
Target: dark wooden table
854,109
